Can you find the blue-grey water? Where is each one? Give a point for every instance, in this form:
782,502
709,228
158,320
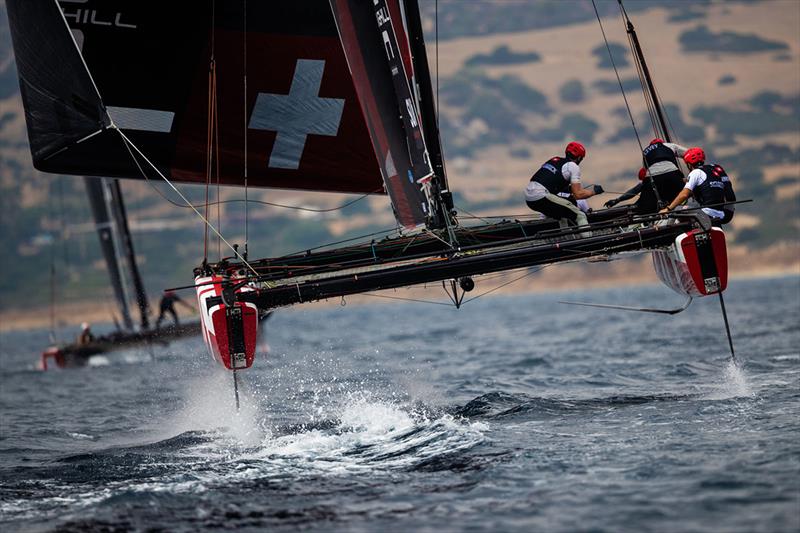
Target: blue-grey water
514,413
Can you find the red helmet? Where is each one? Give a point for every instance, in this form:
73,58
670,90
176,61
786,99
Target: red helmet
576,149
642,174
656,140
694,156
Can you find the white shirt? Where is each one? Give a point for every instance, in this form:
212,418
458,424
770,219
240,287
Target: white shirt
536,191
696,178
663,167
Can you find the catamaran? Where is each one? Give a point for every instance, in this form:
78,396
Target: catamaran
319,95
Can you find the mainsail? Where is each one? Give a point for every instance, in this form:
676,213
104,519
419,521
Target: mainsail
98,192
280,76
111,223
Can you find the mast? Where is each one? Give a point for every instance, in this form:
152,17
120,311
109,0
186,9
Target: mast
375,58
103,223
422,77
442,199
126,242
645,74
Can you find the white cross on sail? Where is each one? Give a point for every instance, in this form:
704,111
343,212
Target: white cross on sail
296,115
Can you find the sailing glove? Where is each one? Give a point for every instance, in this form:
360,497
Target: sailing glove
598,189
611,203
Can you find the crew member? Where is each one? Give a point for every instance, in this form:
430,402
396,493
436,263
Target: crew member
711,188
630,193
167,305
85,336
661,167
560,175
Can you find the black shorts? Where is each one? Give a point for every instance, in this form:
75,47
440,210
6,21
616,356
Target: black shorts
669,185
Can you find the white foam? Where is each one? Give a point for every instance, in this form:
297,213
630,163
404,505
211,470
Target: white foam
371,434
210,405
80,436
734,384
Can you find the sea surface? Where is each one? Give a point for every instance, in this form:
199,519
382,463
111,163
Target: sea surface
514,413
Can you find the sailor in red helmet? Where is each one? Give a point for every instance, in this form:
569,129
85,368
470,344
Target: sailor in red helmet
560,175
661,167
710,186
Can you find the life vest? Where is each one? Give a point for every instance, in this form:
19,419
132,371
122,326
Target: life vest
655,153
551,177
712,191
730,196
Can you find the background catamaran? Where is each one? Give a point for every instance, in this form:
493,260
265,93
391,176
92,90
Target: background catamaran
111,222
322,96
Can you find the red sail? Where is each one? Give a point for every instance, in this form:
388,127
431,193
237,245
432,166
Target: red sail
372,34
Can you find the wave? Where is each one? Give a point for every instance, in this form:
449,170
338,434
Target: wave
500,405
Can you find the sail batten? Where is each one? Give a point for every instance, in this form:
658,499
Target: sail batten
62,104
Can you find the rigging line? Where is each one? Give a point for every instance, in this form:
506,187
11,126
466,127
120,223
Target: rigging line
129,144
337,242
627,20
246,218
52,272
436,26
616,71
489,217
471,214
625,97
62,218
208,159
262,202
216,163
505,284
431,302
432,234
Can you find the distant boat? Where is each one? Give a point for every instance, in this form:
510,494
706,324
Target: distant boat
116,243
74,355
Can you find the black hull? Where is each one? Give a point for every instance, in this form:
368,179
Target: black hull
75,355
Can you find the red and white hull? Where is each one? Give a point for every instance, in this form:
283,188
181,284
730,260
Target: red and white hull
696,264
230,334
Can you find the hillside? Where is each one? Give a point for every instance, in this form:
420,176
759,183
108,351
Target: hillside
511,92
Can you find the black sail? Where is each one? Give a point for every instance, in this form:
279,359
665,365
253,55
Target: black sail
62,105
126,248
298,112
98,199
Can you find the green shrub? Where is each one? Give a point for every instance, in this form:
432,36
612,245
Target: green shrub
612,86
573,126
502,55
520,153
572,92
618,51
702,39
